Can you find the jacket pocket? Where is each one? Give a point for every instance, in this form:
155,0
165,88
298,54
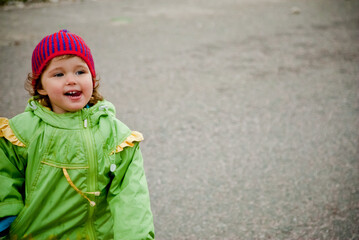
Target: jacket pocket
49,192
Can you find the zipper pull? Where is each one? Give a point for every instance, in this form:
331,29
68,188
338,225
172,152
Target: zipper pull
85,121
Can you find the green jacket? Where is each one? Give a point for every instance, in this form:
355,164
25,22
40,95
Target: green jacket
73,176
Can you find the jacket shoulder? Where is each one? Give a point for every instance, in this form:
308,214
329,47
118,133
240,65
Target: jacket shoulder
110,124
24,126
7,133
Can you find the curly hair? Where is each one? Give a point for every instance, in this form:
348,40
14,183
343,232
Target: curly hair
44,99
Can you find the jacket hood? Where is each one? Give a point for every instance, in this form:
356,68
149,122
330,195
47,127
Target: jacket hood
72,120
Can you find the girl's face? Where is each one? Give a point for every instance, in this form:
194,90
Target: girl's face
68,84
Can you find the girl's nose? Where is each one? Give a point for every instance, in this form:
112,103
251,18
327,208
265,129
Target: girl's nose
70,79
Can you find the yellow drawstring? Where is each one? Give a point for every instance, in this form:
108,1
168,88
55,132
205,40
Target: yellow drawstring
92,203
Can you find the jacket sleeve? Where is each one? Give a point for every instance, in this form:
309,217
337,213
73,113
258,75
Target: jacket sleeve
129,197
12,174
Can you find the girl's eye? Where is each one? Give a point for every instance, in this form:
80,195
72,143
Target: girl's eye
58,75
80,72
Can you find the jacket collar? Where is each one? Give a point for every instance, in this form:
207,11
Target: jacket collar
85,117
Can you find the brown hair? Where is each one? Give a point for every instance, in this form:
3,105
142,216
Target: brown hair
44,99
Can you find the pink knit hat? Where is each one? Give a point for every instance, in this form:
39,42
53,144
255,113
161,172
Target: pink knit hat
60,43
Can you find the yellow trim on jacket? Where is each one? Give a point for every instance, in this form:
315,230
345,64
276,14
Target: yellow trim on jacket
6,132
129,142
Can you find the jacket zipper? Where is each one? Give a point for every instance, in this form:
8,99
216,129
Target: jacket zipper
91,177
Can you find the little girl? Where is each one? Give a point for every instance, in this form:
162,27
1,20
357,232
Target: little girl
68,168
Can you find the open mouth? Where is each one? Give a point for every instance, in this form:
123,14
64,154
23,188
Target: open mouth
73,93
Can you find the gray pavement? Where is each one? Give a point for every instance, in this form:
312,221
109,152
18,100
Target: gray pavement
249,108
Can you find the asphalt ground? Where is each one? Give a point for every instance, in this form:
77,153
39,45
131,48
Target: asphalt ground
249,109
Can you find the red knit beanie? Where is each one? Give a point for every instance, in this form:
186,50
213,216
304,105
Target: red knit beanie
60,43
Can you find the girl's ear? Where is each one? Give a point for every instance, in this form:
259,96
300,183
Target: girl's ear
42,92
39,88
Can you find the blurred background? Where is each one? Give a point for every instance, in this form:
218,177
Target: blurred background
249,108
